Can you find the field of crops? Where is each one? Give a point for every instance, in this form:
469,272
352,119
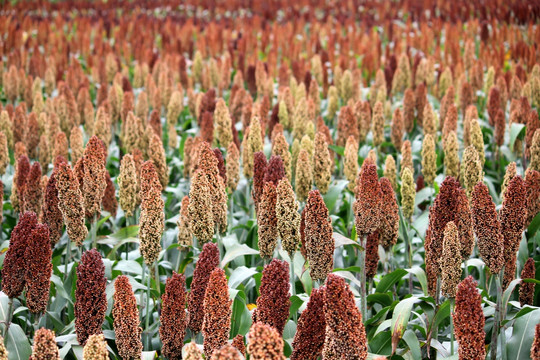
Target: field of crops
269,180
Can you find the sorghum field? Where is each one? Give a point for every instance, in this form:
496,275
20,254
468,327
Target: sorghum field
268,180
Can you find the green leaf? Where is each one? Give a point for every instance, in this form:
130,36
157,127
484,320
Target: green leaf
389,280
414,345
239,275
378,298
443,313
337,149
381,343
17,343
534,225
516,131
421,276
149,355
401,315
508,292
334,194
340,241
129,266
296,303
519,345
122,234
234,250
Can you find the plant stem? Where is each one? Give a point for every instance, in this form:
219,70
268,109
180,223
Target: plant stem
362,257
147,323
142,292
93,229
496,317
291,267
37,318
9,315
452,301
231,212
158,285
409,254
68,257
293,287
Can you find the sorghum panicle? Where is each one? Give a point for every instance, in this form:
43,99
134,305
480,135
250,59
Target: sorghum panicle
14,268
345,332
208,261
264,343
126,320
310,333
367,207
273,303
152,220
526,290
319,242
469,321
94,185
487,228
173,316
450,261
267,221
90,297
217,313
44,346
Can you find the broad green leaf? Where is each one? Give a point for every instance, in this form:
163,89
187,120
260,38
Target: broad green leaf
122,234
17,343
239,275
389,280
129,266
235,251
381,343
348,275
421,276
383,326
289,330
414,345
340,240
519,345
296,303
149,355
516,131
443,313
335,192
383,299
508,292
337,149
534,225
401,315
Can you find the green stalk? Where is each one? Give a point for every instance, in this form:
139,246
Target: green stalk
496,317
93,229
409,250
68,257
291,267
158,286
142,292
363,295
9,316
452,303
147,323
435,330
231,205
293,287
37,318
